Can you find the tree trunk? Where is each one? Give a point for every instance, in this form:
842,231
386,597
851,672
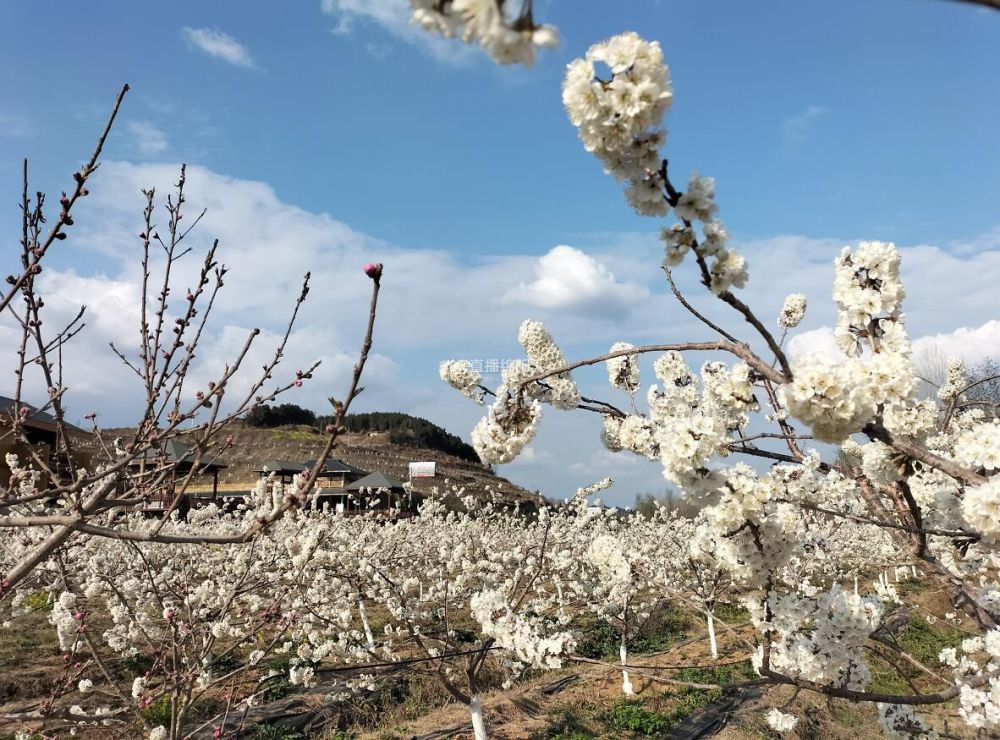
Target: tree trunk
367,625
626,683
711,636
476,712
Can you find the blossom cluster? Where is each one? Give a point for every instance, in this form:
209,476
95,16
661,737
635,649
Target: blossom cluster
512,420
619,119
793,310
484,22
461,376
623,371
838,398
869,297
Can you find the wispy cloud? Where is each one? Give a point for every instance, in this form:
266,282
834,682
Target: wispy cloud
393,16
795,129
14,126
219,45
148,139
381,52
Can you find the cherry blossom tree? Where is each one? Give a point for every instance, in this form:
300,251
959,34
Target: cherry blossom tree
927,478
810,473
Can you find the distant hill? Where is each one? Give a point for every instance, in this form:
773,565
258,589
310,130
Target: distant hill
403,429
411,431
407,439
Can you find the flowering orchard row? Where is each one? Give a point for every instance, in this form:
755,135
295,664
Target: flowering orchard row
457,586
855,469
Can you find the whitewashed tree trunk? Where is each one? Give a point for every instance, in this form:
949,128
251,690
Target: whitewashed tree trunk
626,683
711,636
913,571
856,586
367,625
476,712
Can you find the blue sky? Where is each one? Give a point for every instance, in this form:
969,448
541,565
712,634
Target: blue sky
821,122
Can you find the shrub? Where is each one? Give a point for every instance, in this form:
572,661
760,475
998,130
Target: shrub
267,417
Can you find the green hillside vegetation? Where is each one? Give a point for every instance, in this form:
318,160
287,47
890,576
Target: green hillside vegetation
412,431
403,429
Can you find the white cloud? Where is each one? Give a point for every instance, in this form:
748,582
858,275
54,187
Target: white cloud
533,456
433,305
148,139
569,279
219,45
436,305
931,352
795,128
393,17
971,344
814,342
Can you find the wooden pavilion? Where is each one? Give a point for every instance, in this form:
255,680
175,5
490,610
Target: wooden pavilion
283,470
178,461
336,473
373,492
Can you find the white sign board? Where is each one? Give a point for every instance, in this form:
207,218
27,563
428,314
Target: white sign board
422,469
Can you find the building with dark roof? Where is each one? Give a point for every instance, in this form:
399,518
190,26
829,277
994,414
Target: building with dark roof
284,470
38,432
374,492
173,463
336,473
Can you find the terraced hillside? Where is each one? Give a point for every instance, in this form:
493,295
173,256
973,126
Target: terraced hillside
372,452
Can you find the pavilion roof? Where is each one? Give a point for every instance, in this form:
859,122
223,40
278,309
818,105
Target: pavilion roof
375,481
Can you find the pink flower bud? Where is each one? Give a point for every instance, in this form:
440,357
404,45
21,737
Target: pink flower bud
298,383
373,270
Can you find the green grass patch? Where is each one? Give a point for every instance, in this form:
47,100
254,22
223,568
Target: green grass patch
848,714
628,715
568,723
37,601
638,718
731,614
157,713
274,732
294,434
925,641
601,640
277,686
886,679
723,675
